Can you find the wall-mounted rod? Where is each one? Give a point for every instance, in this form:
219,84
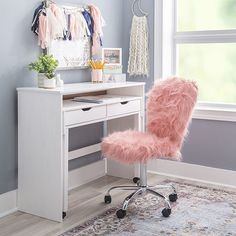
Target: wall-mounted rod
68,6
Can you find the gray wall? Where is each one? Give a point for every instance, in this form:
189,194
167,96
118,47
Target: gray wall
210,143
18,48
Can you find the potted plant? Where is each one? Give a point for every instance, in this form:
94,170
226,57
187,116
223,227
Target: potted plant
45,66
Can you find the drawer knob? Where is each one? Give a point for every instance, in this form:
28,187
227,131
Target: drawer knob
86,109
123,103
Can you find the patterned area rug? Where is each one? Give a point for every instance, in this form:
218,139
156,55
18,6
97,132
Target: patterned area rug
198,211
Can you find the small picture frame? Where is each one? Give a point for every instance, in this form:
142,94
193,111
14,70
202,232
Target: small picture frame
112,56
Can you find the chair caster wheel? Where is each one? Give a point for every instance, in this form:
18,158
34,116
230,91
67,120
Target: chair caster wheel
173,197
136,180
121,214
107,199
166,212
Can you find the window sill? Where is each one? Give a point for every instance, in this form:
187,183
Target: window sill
219,113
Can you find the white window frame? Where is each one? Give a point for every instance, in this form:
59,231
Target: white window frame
166,39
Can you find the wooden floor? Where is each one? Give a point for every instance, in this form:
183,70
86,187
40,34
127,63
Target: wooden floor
84,203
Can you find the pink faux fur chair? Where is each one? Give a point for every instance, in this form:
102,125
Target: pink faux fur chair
169,108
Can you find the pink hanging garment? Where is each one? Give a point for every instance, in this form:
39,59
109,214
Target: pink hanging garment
99,23
50,26
43,32
60,17
55,29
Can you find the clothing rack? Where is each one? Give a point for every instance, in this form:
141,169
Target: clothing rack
68,6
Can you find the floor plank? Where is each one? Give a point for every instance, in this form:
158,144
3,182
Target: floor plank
85,202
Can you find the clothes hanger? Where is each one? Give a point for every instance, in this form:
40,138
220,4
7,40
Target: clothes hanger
45,2
139,8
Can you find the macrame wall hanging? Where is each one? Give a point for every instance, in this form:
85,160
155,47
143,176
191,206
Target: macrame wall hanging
138,64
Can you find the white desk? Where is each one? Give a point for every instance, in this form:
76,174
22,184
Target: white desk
44,120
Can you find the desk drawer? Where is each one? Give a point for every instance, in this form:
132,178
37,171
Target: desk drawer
123,108
84,115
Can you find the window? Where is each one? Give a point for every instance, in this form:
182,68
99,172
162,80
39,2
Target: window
204,47
213,66
196,39
201,15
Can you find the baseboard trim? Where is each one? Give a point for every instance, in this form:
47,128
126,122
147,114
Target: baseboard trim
208,175
8,203
86,174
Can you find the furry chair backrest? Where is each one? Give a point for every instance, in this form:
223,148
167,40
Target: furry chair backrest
169,108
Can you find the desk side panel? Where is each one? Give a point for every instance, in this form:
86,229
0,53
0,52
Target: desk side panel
40,165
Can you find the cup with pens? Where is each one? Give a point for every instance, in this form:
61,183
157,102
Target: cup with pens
97,70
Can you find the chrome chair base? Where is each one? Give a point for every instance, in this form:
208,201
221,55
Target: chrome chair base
140,190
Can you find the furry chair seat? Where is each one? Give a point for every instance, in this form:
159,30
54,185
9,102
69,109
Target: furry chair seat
133,146
169,108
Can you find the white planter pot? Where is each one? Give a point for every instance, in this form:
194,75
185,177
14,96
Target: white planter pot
44,82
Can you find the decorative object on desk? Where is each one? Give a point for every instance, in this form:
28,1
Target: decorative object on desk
112,69
112,56
45,66
114,78
68,32
60,82
97,76
198,211
97,70
138,64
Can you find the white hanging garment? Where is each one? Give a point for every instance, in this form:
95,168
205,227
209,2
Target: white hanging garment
55,29
138,64
81,27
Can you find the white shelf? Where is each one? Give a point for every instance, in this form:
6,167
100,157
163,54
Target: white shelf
75,154
70,105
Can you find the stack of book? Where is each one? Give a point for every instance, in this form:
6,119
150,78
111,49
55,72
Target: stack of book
113,73
98,99
112,69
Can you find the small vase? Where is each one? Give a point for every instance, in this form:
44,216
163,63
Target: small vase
97,76
44,82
